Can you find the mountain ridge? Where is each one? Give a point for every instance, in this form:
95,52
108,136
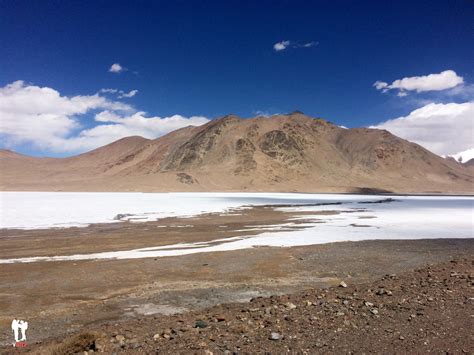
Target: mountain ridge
291,153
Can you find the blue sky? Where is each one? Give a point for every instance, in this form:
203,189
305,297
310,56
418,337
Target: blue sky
208,59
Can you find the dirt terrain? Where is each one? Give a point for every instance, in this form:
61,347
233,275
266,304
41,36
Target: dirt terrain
284,153
429,309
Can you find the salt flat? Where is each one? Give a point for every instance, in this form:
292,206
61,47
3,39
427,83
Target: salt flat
32,210
352,218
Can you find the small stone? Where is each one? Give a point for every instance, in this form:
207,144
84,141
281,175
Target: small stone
342,284
100,344
220,317
430,299
290,305
156,337
368,304
200,324
401,337
374,311
309,303
120,338
275,336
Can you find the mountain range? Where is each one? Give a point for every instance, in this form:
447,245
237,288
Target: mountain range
287,153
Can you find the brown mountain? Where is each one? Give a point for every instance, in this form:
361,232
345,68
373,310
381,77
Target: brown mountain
282,153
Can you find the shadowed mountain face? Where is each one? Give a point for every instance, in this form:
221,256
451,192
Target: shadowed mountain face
281,153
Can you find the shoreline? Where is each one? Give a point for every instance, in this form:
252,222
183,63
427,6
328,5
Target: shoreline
335,192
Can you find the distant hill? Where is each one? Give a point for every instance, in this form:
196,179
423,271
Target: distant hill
280,153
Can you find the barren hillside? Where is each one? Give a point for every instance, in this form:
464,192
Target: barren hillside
281,153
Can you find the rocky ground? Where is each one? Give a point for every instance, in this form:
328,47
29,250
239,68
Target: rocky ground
429,309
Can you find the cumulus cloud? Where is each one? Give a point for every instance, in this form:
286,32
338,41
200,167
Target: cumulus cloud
42,117
116,126
447,79
444,129
116,68
281,46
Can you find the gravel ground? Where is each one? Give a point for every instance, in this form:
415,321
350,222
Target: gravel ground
429,309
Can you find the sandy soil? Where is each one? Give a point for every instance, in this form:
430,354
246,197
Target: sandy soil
65,297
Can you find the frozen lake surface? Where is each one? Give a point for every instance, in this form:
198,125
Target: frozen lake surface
406,217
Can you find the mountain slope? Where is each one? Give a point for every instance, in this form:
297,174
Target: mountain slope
282,153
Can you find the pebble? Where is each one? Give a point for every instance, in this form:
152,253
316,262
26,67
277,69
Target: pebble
342,284
374,311
220,318
200,324
275,336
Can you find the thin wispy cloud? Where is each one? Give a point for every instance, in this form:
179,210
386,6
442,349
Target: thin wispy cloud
287,44
131,93
447,79
307,45
108,91
120,93
265,113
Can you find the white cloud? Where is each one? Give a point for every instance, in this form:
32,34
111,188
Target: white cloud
265,113
117,127
40,116
464,91
444,129
280,46
120,93
447,79
307,45
132,93
116,68
464,156
379,85
108,91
